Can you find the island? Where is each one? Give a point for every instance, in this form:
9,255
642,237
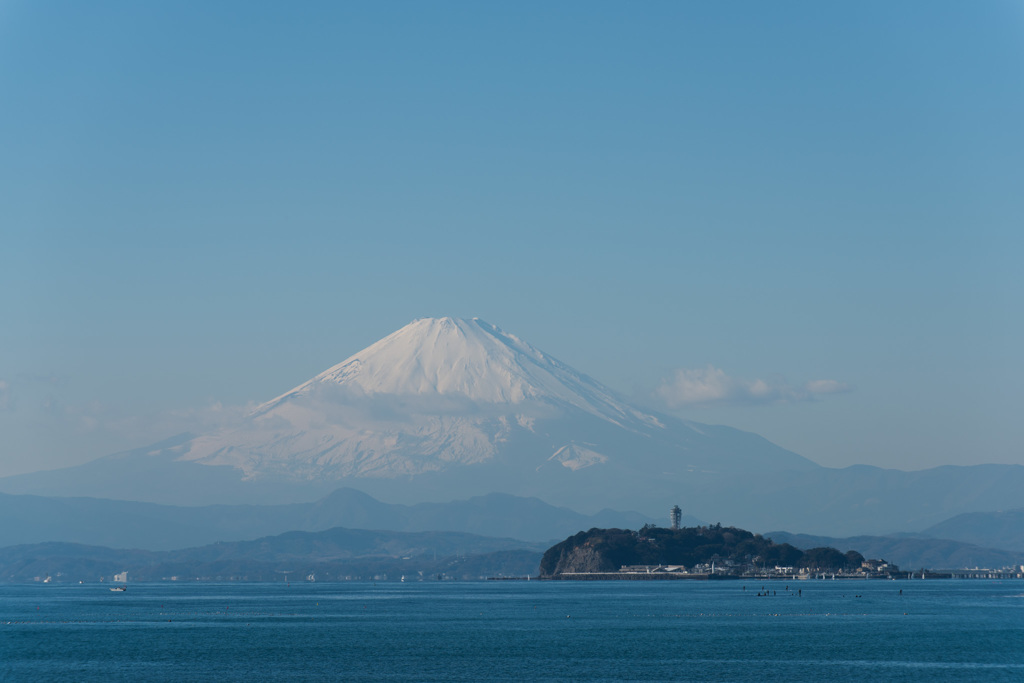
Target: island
702,553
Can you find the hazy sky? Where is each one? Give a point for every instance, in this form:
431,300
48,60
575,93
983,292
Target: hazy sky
803,219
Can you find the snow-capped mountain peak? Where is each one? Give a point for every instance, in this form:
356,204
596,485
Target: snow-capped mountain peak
440,394
469,359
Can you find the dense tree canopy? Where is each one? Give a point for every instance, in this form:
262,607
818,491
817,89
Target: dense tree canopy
605,550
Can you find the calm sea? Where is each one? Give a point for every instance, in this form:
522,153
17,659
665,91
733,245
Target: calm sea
515,631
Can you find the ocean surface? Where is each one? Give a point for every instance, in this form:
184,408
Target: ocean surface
939,630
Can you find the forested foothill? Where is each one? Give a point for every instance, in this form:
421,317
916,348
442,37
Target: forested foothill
729,549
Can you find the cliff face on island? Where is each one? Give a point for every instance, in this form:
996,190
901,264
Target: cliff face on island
576,558
607,550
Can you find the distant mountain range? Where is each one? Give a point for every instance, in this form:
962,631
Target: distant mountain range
148,526
49,525
340,554
331,555
909,551
444,409
1002,529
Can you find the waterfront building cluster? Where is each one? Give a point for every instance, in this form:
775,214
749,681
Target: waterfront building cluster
727,570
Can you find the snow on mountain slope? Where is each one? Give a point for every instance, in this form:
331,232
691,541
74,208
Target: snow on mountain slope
445,393
470,359
436,393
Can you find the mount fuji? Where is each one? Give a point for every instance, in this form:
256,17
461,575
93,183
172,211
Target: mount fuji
447,408
445,394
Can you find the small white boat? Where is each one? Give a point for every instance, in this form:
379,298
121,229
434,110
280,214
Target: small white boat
121,578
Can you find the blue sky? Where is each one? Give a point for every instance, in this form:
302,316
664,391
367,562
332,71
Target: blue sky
706,206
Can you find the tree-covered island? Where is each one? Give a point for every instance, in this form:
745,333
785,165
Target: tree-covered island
696,552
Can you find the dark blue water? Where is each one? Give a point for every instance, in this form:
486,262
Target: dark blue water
515,631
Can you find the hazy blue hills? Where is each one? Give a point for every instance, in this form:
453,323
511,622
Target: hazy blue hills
1003,529
857,500
334,554
154,474
909,551
127,524
836,502
341,553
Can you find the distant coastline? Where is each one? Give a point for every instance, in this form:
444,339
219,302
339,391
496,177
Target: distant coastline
714,553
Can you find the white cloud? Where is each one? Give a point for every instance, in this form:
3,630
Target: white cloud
703,385
826,386
712,385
